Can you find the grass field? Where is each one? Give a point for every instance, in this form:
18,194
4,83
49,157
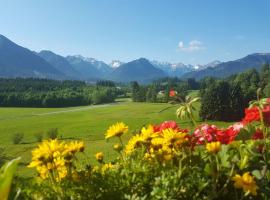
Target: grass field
80,123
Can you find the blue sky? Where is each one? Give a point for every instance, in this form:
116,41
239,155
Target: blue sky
190,31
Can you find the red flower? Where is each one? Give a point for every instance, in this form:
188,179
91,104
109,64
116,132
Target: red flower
251,114
172,93
258,135
227,136
210,133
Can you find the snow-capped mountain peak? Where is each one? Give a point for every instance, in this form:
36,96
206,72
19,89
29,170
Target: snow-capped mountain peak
115,63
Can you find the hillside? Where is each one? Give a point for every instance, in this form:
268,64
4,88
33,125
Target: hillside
60,63
17,61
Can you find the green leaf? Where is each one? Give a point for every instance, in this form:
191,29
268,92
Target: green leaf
6,175
224,156
208,169
257,174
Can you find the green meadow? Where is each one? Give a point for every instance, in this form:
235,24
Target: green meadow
88,123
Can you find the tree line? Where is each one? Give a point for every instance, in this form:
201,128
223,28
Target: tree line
225,99
159,90
31,92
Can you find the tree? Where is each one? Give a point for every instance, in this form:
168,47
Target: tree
222,101
151,94
135,88
237,102
249,82
264,75
266,90
192,84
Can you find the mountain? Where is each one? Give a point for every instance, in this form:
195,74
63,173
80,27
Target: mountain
173,69
17,61
115,63
140,70
86,68
225,69
212,64
60,63
100,65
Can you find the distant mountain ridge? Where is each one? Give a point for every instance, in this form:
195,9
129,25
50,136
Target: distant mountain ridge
60,63
137,70
87,69
173,69
17,61
225,69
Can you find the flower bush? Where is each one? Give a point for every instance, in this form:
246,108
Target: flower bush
162,161
54,160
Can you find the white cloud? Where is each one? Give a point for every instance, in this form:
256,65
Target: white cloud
181,44
193,45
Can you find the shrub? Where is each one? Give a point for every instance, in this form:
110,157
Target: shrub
52,133
39,136
100,96
162,161
17,138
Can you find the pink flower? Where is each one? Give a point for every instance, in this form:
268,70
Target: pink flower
168,124
237,126
205,133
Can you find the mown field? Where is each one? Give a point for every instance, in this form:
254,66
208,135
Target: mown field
79,123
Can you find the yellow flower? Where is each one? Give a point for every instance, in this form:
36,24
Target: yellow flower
161,152
117,130
167,153
47,150
246,182
99,157
43,171
157,143
59,162
213,147
117,147
62,173
148,133
74,147
133,143
174,138
106,167
53,157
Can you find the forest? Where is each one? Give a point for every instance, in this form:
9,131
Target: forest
31,92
